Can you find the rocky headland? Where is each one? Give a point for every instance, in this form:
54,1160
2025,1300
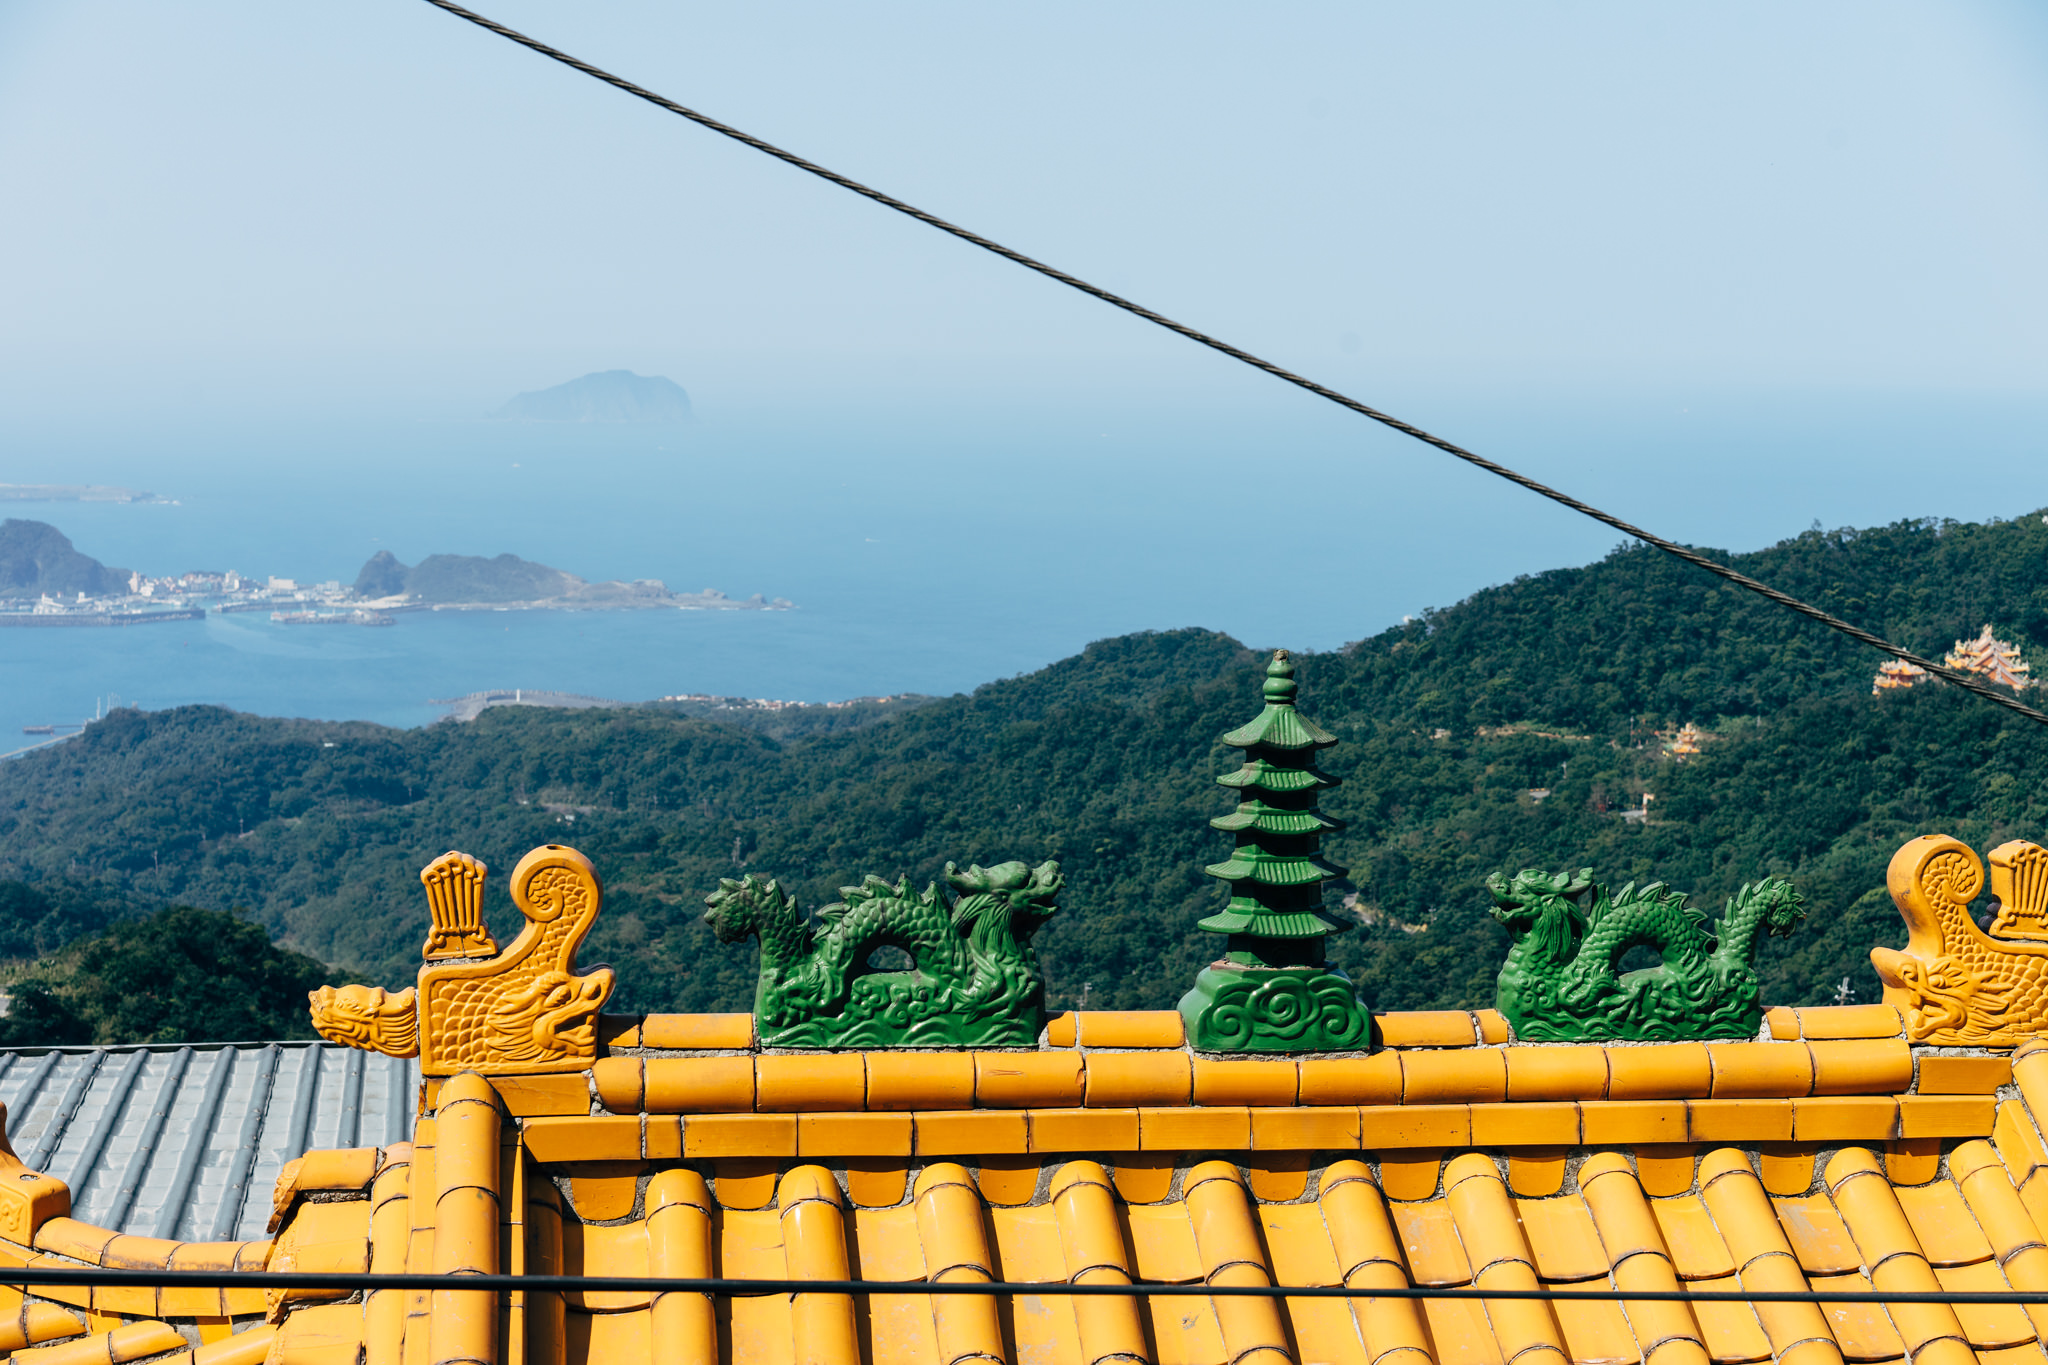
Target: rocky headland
473,582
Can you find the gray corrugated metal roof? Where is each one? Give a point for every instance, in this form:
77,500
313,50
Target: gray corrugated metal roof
186,1142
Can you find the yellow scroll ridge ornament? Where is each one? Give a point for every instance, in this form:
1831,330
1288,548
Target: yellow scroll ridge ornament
522,1010
526,1009
1955,984
455,897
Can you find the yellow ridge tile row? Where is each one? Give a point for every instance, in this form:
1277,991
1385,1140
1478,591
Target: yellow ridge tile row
1092,1028
1165,1028
838,1133
851,1081
132,1342
1787,1022
66,1242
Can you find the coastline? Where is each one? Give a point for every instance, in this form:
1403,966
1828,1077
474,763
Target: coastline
327,609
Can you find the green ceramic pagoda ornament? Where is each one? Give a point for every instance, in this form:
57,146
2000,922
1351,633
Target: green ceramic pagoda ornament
1271,991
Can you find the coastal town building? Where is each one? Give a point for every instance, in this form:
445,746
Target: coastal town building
1668,1133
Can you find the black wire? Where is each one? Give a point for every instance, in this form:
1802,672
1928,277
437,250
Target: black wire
275,1279
1955,677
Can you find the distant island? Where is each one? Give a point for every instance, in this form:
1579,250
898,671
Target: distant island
46,581
446,582
609,396
72,492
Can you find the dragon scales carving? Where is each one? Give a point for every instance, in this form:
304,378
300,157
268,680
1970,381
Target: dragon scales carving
1956,984
518,1011
1563,982
973,980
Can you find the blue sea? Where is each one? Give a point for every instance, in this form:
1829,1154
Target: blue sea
930,552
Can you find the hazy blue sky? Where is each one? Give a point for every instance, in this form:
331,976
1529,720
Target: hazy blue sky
374,202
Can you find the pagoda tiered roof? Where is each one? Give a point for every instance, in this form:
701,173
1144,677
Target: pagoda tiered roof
1987,656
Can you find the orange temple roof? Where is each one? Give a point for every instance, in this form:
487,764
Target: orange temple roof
1851,1148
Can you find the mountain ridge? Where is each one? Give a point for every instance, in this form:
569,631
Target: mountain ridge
37,558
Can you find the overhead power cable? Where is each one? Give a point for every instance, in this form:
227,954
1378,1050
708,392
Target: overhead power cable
1953,676
53,1276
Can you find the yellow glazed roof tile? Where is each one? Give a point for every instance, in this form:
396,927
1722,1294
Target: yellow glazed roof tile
1863,1331
1351,1080
1861,1067
1409,1175
1538,1172
1143,1177
1426,1028
689,1085
691,1032
1787,1171
1194,1130
1430,1244
1122,1080
1658,1072
1597,1334
1461,1334
1733,1335
1819,1237
1278,1177
1697,1251
1556,1073
2030,1072
1941,1221
1759,1070
969,1132
1132,1028
2028,1354
1163,1243
1300,1250
784,1084
2017,1141
1452,1076
1944,1116
1246,1082
1562,1236
1849,1021
1951,1075
1986,1326
1023,1080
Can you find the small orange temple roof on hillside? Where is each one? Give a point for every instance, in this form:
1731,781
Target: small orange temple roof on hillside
1987,656
1995,659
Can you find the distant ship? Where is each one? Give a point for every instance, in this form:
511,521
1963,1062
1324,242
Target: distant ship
332,618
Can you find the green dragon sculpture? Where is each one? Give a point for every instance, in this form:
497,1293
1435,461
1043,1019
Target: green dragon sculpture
1562,981
974,979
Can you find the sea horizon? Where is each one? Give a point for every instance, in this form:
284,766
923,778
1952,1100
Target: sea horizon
926,554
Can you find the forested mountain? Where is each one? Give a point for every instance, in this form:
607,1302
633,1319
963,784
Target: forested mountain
1106,761
36,557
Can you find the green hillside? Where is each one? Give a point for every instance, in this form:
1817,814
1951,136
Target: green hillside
1106,761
